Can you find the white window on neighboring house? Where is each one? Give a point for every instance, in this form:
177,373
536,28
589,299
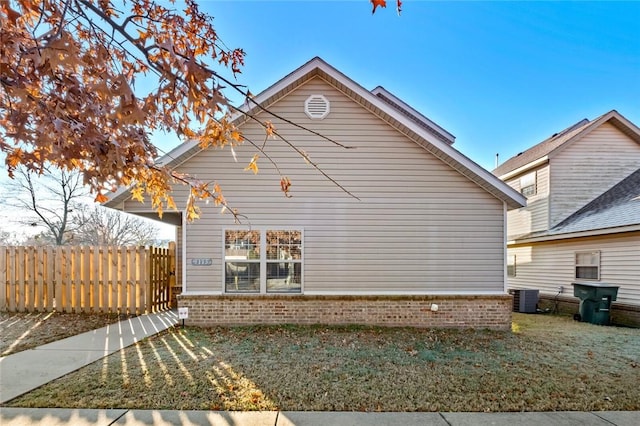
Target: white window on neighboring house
511,266
588,265
528,184
263,261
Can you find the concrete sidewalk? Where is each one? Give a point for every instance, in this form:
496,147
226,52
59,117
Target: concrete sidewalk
72,417
27,370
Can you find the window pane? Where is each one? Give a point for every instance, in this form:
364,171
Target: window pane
528,180
588,259
528,191
587,272
284,277
284,245
241,245
528,184
242,277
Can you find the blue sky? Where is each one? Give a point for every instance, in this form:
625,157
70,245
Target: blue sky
500,76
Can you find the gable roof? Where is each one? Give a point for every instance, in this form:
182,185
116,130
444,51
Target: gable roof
520,162
619,206
405,119
615,210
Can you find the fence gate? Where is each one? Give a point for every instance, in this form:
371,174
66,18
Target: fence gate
131,280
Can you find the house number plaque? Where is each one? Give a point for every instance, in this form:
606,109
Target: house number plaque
202,261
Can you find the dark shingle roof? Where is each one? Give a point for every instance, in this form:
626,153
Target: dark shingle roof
553,143
541,149
619,206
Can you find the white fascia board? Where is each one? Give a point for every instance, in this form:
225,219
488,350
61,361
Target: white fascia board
280,85
418,115
522,169
581,234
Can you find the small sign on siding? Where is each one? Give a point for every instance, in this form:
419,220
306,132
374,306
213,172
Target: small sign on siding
202,261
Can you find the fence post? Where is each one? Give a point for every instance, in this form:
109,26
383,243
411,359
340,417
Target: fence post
131,282
39,283
20,264
4,278
172,275
50,279
104,269
13,284
153,296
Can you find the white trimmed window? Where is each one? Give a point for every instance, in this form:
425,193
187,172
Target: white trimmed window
511,266
588,265
263,261
528,184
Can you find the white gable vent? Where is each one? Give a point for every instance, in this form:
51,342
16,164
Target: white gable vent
316,107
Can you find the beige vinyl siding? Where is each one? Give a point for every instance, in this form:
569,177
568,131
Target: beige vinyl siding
546,266
419,226
535,216
588,167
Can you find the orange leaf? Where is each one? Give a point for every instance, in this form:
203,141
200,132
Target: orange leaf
285,185
253,165
101,198
136,194
376,3
269,128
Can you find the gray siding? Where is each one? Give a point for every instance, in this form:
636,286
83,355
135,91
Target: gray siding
588,167
535,216
419,227
546,266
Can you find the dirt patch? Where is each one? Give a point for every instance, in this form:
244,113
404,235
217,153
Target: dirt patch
22,331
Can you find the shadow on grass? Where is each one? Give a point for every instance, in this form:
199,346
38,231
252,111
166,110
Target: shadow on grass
547,367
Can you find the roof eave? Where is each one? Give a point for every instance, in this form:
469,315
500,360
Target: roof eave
577,234
536,163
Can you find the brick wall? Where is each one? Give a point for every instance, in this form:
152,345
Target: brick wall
621,314
493,312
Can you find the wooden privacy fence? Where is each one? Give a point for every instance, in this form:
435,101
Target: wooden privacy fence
131,280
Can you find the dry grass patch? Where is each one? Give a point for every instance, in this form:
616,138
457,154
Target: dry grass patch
26,330
548,363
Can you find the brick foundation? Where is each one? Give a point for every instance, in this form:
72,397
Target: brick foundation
493,312
621,314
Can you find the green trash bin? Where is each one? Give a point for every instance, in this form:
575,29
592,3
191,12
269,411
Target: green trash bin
595,302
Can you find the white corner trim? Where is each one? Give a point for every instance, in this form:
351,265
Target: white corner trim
184,252
505,249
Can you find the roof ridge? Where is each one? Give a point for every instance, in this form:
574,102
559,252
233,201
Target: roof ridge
551,144
413,114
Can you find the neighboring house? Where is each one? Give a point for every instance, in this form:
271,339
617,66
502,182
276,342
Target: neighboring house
582,219
423,245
